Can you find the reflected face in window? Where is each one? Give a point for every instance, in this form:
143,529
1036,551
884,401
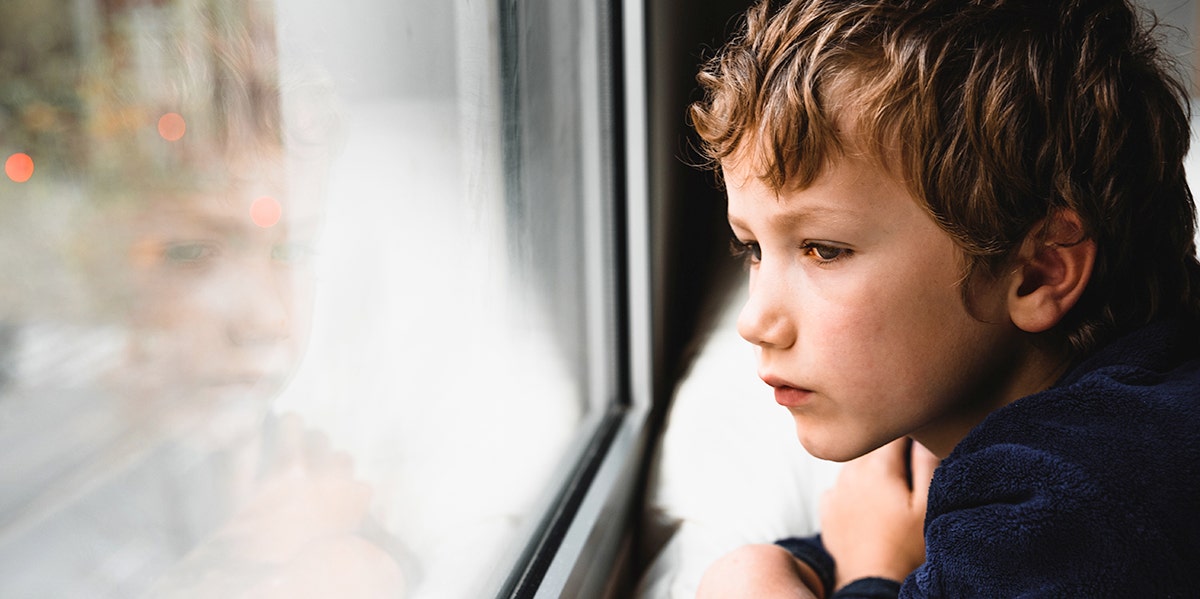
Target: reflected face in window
219,305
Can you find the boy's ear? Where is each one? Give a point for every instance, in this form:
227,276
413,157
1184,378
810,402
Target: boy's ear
1052,269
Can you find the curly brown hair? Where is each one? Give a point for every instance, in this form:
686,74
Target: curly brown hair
996,113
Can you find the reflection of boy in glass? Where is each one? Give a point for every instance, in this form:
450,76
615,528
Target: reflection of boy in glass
196,248
193,172
219,290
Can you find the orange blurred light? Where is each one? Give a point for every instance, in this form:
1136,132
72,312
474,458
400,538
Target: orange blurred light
265,211
171,126
19,167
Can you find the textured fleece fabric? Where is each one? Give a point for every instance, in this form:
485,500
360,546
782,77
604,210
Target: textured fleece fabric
1088,489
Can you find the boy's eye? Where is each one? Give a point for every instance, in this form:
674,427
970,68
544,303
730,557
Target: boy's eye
291,252
189,253
750,251
826,253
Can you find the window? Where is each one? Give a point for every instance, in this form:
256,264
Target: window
316,300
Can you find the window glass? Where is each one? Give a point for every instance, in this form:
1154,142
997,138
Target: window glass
301,299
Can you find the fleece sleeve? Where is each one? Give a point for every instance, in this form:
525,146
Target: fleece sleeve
811,551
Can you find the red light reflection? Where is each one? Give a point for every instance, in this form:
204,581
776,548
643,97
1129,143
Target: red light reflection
265,211
171,126
19,167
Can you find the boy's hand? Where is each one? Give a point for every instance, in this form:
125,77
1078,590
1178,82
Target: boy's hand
297,535
872,519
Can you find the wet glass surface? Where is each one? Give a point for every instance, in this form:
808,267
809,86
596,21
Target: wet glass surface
282,315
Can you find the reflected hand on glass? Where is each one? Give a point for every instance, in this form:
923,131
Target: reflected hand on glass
300,533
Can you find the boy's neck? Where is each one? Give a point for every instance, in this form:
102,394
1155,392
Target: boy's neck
1037,369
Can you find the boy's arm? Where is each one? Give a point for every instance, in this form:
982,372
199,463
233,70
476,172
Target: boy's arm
872,519
767,571
796,568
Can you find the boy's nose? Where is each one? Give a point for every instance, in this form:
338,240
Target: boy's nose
764,320
261,312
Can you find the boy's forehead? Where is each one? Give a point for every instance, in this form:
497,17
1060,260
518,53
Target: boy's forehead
751,197
851,188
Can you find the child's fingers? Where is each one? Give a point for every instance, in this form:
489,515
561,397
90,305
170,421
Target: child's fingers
924,462
870,522
324,459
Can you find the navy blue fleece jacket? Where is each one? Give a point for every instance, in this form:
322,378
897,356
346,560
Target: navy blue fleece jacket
1088,489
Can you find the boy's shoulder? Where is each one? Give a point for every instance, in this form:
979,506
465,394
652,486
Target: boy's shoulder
1133,402
1130,392
1091,483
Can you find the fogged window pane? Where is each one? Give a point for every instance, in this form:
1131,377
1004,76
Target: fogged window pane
302,299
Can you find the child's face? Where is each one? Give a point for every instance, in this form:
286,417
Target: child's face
856,311
220,301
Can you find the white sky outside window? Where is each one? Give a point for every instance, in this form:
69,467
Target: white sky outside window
323,357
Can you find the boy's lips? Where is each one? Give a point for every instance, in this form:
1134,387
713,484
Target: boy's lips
791,397
788,394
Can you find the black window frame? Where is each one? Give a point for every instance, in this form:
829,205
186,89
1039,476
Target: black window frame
576,545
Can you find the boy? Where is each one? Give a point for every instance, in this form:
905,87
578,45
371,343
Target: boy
967,226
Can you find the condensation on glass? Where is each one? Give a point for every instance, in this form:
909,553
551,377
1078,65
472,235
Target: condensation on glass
301,298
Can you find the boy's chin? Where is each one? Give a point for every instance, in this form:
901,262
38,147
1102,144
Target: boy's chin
834,447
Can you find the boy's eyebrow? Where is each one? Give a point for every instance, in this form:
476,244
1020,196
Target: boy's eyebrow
787,218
